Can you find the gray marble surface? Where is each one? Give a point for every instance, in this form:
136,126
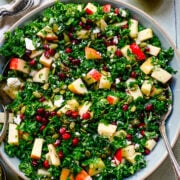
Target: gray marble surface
167,14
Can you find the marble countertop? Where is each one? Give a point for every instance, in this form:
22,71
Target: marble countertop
167,13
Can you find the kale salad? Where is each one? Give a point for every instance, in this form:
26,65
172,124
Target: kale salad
89,85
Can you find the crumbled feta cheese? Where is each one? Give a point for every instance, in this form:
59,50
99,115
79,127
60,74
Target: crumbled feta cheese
96,30
115,40
17,119
58,100
29,44
128,142
117,81
136,146
13,82
123,13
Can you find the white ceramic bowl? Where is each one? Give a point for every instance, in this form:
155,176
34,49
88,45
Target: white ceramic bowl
173,124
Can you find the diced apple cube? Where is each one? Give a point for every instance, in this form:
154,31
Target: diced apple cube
150,144
19,65
133,27
128,151
46,61
53,156
37,148
35,53
91,53
43,172
145,35
135,92
90,8
41,76
84,108
47,33
112,99
96,167
131,159
111,50
147,66
161,75
106,130
105,82
92,76
70,105
13,134
153,50
125,52
146,87
78,87
12,93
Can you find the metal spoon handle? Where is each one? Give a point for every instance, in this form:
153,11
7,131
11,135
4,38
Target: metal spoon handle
5,125
175,165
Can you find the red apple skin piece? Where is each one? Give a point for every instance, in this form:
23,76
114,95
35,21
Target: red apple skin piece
19,65
88,11
96,75
91,53
107,8
112,99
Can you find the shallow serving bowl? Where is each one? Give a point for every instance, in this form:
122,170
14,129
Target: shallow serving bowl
173,124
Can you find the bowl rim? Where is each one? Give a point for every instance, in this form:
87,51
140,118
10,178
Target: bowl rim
130,7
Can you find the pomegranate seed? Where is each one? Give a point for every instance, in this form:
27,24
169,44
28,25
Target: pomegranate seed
116,11
75,141
46,54
34,163
42,128
113,123
149,107
53,113
74,114
70,34
66,136
40,111
133,74
147,151
42,99
68,50
32,62
61,155
69,113
22,116
38,118
46,164
62,130
156,139
87,27
86,115
147,49
129,137
105,68
46,46
46,114
75,41
81,23
28,52
142,132
142,125
107,43
51,52
118,53
44,121
125,107
62,76
57,142
76,62
125,26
